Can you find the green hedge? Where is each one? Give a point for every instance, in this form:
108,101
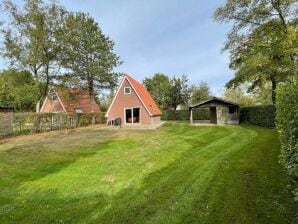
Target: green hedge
183,115
258,115
26,123
287,125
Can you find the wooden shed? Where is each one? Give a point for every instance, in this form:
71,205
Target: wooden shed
221,111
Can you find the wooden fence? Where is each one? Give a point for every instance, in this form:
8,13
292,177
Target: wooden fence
28,123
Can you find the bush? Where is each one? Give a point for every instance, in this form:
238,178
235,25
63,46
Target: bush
26,123
184,115
287,125
175,115
258,115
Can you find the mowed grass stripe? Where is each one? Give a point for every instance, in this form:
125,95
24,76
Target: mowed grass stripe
178,174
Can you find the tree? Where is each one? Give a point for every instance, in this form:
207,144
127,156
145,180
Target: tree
179,92
87,54
262,42
19,89
200,92
159,87
31,39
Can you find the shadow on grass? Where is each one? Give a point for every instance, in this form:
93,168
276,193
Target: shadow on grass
192,189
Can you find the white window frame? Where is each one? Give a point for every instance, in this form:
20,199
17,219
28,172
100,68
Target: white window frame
131,108
127,88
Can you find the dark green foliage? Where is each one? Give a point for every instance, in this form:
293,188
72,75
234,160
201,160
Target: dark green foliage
159,87
287,124
258,115
175,115
184,115
19,89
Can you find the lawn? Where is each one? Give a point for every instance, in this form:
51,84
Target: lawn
177,174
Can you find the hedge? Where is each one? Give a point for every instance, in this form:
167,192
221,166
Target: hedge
287,125
184,115
258,115
26,123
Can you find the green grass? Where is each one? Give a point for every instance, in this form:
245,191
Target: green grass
178,174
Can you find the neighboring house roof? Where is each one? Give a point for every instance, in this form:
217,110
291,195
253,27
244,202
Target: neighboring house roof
214,99
7,107
73,99
142,94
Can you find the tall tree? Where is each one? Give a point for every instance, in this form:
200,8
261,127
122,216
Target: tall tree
200,92
88,54
19,89
30,38
159,86
262,42
179,93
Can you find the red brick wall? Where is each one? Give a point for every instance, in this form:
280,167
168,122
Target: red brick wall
128,101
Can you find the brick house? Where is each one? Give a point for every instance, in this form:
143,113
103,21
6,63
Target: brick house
68,100
133,104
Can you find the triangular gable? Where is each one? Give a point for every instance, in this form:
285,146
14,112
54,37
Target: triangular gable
142,94
47,99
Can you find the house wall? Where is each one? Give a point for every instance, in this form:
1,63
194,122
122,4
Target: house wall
225,117
156,119
128,101
52,106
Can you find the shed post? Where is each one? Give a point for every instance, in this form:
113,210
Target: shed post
191,118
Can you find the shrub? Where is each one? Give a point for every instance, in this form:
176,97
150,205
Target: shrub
258,115
287,125
184,115
26,123
175,115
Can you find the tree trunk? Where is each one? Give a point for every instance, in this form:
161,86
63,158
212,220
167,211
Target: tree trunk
91,99
273,89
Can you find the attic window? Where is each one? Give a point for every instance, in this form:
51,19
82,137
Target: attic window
54,97
127,90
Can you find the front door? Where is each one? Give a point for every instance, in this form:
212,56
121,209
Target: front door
132,116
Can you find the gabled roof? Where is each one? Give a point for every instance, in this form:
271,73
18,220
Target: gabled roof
72,99
7,107
214,99
142,94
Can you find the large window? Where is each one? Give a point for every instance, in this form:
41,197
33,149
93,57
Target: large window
132,116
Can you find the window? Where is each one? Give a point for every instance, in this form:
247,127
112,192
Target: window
79,110
132,116
127,90
54,97
232,110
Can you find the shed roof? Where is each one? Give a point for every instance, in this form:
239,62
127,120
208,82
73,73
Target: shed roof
216,100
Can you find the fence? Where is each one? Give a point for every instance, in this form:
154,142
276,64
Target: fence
27,123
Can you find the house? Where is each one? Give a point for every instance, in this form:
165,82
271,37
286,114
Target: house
221,111
69,100
133,104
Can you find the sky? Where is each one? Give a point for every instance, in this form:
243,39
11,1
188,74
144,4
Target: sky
173,37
